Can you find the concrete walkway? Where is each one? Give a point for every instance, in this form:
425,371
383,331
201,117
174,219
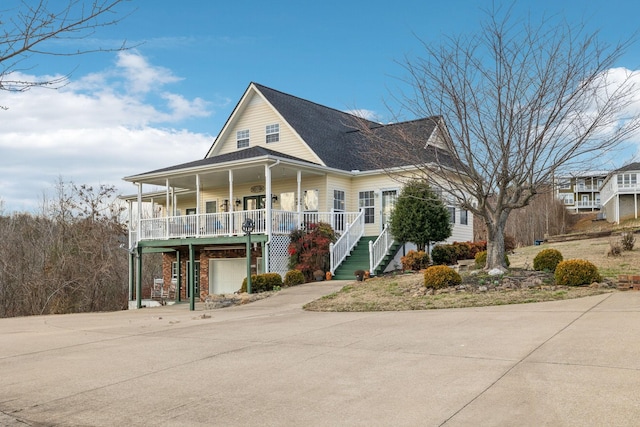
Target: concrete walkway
269,363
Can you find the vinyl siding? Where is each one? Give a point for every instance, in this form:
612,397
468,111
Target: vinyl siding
255,117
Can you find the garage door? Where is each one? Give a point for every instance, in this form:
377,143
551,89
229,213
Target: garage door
227,274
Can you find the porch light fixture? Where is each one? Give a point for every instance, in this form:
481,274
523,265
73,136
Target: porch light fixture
274,198
238,202
248,226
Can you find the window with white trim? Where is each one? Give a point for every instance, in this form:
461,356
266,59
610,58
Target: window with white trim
627,180
366,203
452,214
242,138
174,272
464,217
338,200
273,133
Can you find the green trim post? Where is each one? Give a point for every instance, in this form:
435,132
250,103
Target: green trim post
178,277
192,287
139,277
248,226
132,274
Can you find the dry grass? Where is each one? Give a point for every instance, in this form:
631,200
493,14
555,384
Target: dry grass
593,250
405,291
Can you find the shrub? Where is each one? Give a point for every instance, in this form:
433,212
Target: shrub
441,276
576,272
415,260
451,253
547,259
309,249
293,278
627,240
614,249
462,250
481,259
443,255
262,282
509,243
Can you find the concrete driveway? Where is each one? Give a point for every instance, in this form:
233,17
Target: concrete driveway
569,363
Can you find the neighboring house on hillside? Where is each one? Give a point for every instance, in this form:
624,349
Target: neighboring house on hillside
580,191
620,192
282,162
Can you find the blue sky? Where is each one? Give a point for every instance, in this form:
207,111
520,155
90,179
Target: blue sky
163,102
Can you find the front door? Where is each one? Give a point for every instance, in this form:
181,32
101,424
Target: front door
254,202
389,198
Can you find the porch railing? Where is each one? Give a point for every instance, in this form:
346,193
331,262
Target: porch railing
378,249
230,224
352,233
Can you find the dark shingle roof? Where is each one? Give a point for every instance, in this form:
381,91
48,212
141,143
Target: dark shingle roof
334,136
248,153
630,167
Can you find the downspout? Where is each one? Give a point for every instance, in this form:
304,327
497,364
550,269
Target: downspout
269,218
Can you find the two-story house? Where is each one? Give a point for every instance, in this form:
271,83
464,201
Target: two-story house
620,192
282,162
580,191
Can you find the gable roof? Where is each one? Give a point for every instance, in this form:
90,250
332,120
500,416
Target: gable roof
630,167
334,135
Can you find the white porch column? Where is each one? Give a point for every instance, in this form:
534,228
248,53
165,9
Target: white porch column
267,202
198,205
139,184
131,242
635,204
299,198
268,216
166,207
231,202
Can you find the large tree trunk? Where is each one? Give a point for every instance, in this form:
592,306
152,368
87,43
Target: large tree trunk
495,241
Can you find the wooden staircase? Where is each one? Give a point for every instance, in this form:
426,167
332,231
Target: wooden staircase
359,260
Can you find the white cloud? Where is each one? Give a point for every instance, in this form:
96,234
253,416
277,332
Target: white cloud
142,76
365,114
95,130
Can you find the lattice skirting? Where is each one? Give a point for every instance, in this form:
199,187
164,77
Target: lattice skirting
278,255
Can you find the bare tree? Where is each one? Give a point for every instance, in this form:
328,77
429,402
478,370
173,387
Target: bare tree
29,27
519,101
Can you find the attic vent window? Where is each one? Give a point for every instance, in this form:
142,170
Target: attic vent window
273,133
242,138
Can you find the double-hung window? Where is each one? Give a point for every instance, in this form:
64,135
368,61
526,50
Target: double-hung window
366,203
452,214
273,133
242,138
338,200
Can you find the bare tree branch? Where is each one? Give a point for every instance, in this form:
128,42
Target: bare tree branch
28,29
518,101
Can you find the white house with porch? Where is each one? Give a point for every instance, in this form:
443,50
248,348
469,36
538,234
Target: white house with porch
620,193
283,162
